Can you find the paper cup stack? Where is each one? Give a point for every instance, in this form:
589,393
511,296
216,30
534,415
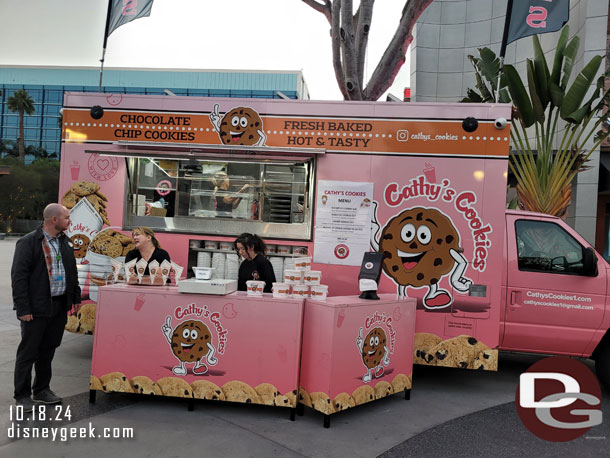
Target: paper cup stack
204,259
232,271
219,263
278,267
304,281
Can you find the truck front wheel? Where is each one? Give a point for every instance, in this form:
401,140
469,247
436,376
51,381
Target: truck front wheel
602,363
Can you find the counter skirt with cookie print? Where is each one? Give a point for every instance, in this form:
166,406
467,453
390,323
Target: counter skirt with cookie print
464,351
231,391
324,403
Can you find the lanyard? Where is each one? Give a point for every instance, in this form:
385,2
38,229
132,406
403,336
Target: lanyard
57,254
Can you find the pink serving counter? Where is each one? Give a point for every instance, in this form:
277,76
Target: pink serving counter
155,340
355,351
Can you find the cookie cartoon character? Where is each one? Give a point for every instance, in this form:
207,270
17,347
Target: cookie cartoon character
240,126
374,352
420,246
80,242
191,342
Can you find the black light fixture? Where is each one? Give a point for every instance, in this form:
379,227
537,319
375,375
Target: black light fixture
470,124
97,112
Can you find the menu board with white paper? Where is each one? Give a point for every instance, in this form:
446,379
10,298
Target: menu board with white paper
343,222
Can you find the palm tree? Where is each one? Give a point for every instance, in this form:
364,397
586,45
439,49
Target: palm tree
545,168
21,102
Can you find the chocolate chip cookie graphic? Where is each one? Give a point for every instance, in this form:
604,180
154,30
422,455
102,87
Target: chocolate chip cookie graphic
80,242
191,342
374,352
421,246
239,126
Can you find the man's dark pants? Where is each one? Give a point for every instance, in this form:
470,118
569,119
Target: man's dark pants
39,339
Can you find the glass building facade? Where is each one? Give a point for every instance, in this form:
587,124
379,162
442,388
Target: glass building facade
46,86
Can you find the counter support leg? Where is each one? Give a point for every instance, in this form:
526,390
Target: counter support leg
300,409
327,421
92,396
293,414
407,394
191,405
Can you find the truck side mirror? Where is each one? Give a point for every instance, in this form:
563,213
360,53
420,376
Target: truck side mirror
589,261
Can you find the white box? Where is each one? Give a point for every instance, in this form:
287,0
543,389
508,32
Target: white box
219,286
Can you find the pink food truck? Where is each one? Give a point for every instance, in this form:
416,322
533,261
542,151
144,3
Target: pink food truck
422,183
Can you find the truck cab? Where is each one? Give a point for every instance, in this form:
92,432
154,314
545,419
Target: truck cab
554,289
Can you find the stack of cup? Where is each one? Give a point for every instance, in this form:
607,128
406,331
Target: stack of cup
204,259
305,281
232,267
278,266
219,263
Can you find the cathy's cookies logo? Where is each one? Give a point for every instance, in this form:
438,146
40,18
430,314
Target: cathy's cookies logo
376,348
102,168
421,245
191,340
239,126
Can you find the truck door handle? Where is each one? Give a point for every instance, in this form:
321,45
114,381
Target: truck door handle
515,297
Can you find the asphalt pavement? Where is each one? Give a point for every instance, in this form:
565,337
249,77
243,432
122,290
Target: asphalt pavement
451,413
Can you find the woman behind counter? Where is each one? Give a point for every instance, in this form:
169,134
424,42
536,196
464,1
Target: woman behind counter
224,202
255,265
147,247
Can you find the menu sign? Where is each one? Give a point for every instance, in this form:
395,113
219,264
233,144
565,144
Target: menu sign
343,222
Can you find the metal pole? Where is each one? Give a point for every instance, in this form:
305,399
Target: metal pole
105,41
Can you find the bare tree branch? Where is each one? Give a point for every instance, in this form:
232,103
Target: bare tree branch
363,25
336,46
348,46
323,8
394,56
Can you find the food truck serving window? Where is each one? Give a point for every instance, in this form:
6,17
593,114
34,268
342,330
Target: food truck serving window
272,198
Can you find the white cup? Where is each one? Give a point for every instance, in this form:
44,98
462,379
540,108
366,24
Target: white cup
301,250
255,287
211,245
300,291
302,263
319,292
226,246
312,277
281,290
293,277
283,249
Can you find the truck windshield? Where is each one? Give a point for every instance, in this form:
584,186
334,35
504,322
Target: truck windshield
546,247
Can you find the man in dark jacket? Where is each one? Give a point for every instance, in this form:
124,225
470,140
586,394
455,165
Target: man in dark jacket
45,287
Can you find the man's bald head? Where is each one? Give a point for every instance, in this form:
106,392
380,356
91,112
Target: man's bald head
52,210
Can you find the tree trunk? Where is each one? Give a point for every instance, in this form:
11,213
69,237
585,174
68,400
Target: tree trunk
349,35
20,140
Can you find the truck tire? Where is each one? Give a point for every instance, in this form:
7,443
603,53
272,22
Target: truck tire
602,364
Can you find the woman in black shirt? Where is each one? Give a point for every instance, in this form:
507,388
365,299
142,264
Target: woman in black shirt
147,247
255,266
225,202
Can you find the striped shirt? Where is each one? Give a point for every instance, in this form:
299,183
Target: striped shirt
58,273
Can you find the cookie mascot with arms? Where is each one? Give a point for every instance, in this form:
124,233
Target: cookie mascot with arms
420,247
